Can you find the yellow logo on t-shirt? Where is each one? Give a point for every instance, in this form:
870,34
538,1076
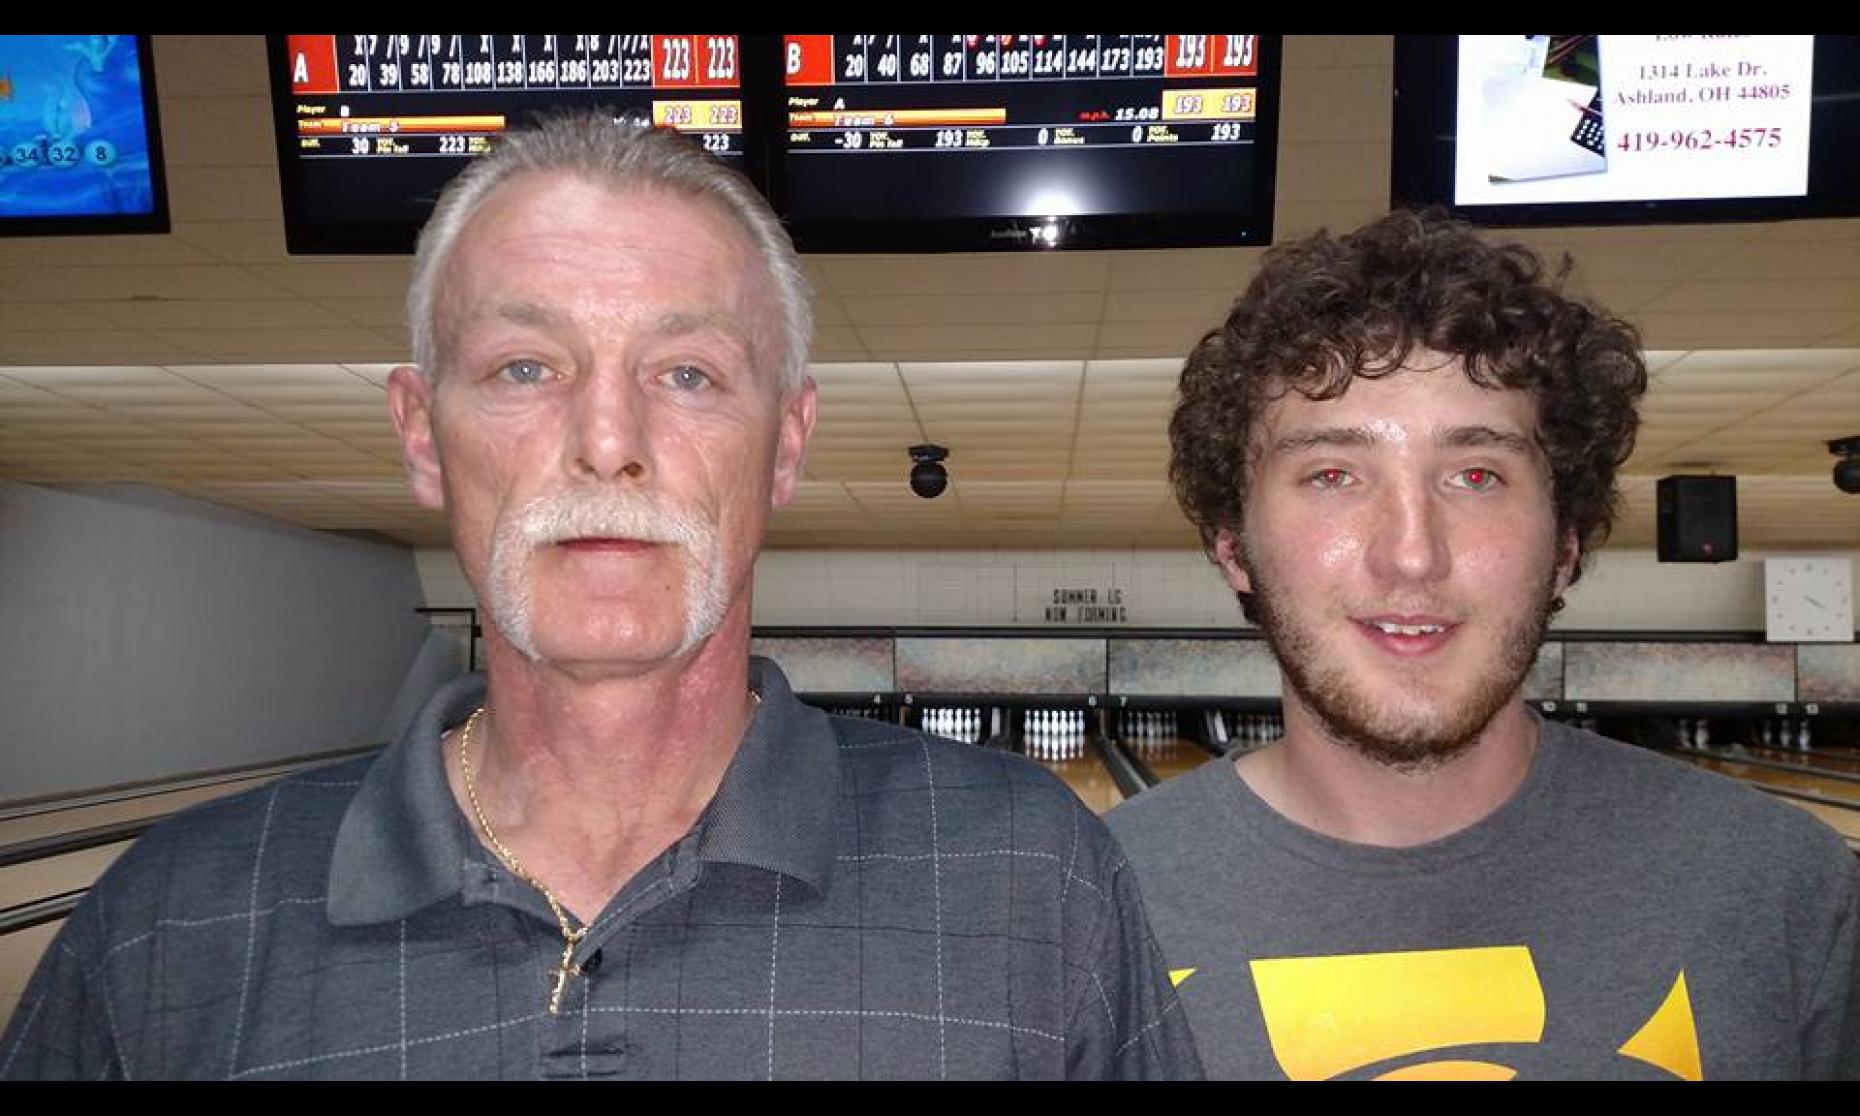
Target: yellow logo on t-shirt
1327,1016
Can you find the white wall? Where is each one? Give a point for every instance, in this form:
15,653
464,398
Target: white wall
1624,590
1159,588
144,635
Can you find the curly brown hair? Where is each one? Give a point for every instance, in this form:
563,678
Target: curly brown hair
1325,310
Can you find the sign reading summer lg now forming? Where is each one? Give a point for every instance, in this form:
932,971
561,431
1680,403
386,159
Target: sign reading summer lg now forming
1598,118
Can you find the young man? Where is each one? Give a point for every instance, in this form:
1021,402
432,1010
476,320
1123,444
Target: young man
628,851
1399,449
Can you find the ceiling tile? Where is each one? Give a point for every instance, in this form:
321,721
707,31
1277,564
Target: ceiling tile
1153,338
963,311
201,65
967,273
1337,104
1828,362
237,242
221,130
321,278
837,343
123,282
1306,52
224,193
116,346
1209,307
1299,216
1226,270
1338,171
1756,329
199,314
48,317
1751,329
97,251
1796,259
1748,294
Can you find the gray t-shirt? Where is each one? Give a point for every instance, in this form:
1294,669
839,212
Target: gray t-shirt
1621,916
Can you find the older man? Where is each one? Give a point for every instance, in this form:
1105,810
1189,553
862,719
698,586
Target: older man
1399,448
629,852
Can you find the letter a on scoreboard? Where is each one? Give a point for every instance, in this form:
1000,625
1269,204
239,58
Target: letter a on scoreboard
313,64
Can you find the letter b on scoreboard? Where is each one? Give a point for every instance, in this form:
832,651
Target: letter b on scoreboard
808,59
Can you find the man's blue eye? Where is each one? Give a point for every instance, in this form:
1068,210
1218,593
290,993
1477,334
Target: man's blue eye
523,372
686,377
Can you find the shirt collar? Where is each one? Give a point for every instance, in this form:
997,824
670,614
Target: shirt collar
403,844
777,804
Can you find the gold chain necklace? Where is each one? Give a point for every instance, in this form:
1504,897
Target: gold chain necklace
571,935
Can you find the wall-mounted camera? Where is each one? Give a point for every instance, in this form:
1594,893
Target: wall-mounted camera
928,476
1847,469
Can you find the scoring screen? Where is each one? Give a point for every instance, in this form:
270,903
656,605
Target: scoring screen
378,123
921,127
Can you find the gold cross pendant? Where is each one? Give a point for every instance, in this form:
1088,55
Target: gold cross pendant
562,973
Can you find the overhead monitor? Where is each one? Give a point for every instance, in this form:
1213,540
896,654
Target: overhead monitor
913,143
371,127
1556,129
80,146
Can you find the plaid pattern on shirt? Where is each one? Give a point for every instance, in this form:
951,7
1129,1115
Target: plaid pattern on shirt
858,901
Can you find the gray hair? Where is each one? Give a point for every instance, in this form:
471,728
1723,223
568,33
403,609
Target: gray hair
618,153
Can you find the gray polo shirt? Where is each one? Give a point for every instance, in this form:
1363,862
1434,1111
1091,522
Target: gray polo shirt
858,900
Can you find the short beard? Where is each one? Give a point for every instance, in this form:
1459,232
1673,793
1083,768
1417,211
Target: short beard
1350,718
610,513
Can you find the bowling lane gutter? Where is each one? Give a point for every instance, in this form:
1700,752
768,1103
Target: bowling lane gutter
24,916
1727,756
123,792
39,911
1844,804
1130,774
57,844
1793,761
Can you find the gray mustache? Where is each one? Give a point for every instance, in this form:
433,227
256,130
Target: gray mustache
615,515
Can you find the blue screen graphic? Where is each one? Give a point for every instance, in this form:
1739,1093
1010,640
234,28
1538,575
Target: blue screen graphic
73,139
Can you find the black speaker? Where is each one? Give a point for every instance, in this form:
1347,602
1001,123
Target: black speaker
1697,519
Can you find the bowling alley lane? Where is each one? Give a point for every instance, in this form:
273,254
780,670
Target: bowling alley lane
1104,756
1088,777
1839,763
57,847
1166,744
27,824
1844,820
1065,741
1062,740
1173,756
1845,791
1107,713
1108,756
1835,801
